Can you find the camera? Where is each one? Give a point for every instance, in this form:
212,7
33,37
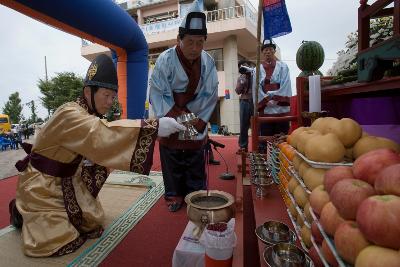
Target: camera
244,69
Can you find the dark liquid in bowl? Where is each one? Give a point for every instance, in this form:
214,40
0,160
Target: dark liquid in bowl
209,201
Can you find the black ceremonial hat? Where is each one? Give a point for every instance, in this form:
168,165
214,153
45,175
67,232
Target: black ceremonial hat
194,22
268,43
102,73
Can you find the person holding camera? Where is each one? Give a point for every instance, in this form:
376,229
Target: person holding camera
243,88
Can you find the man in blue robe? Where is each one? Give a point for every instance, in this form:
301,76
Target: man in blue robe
185,80
274,91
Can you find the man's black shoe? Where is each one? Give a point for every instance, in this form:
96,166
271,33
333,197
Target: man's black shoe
213,162
15,217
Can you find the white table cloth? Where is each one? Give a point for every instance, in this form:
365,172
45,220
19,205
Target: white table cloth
188,253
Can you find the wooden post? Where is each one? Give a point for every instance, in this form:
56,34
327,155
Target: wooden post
254,128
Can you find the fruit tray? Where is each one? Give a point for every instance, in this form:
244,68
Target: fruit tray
329,242
319,252
293,173
299,210
296,176
322,165
297,230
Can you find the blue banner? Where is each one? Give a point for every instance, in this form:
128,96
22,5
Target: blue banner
276,19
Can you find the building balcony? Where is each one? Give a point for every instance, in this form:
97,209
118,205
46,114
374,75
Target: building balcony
221,23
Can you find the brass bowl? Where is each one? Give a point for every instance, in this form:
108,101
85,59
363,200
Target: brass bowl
288,255
203,209
276,231
260,233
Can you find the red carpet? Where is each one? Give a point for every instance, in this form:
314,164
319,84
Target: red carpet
153,240
7,192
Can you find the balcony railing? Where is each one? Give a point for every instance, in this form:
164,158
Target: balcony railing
247,10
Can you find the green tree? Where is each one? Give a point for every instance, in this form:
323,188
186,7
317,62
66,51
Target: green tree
115,112
34,117
65,87
13,108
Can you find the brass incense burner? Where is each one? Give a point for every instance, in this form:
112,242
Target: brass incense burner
188,120
203,209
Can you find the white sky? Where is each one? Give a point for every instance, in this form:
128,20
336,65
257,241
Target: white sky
24,45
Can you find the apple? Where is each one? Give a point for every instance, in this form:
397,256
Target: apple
328,255
348,194
379,220
330,218
368,166
388,181
349,241
316,233
332,176
312,252
375,256
318,198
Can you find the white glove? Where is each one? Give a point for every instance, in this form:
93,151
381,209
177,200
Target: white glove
168,126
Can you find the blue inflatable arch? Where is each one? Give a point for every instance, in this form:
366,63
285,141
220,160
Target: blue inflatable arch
105,23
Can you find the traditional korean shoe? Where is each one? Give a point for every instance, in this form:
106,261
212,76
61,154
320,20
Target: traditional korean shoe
214,162
174,203
174,206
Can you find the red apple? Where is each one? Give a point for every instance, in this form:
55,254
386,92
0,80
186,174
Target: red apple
388,181
349,241
332,176
379,220
318,198
330,218
312,252
375,256
348,194
316,233
328,255
368,166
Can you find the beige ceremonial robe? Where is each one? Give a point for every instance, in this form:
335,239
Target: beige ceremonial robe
72,131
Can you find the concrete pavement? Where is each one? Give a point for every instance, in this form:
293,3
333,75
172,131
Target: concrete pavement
8,159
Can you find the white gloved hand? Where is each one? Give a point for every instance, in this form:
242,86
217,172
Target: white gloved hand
168,126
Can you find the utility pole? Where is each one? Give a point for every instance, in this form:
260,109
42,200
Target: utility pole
45,70
45,67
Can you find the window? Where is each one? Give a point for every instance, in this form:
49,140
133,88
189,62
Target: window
218,57
161,17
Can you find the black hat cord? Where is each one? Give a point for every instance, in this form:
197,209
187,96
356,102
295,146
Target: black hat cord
92,92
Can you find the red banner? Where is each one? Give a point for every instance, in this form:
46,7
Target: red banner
270,2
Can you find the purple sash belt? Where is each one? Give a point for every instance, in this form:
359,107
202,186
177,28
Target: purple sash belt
46,165
57,169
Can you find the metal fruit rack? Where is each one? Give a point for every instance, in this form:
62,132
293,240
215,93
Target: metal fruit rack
283,172
273,161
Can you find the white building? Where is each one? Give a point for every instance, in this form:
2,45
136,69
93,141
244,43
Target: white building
232,36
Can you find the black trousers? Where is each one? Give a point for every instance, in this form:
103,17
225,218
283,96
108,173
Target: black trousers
183,170
246,111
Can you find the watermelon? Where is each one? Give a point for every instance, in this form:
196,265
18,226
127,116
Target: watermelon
310,56
306,73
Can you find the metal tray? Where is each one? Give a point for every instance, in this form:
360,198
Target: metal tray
322,165
267,256
267,241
